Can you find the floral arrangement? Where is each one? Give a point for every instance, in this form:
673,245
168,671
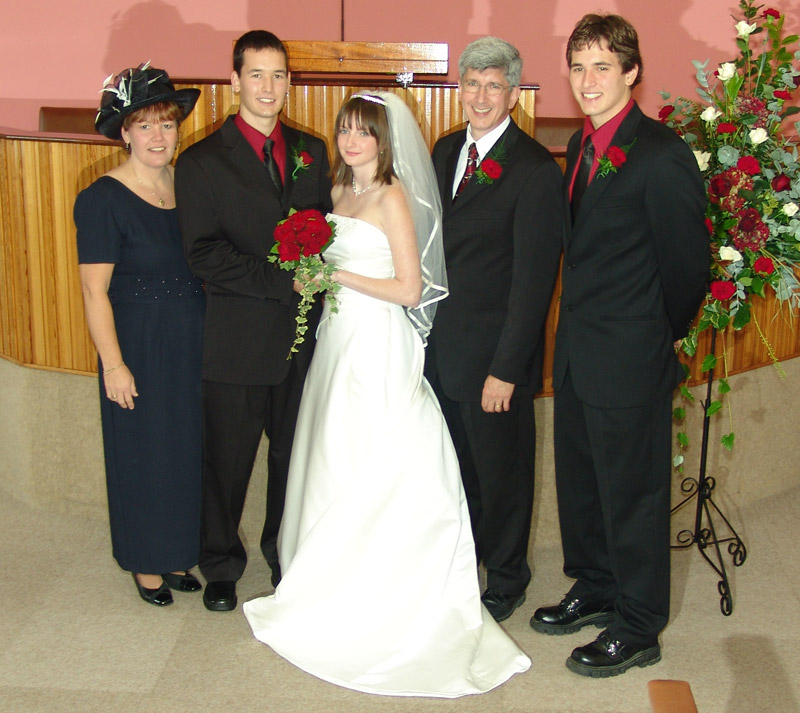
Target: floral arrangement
301,159
491,167
752,175
611,161
300,241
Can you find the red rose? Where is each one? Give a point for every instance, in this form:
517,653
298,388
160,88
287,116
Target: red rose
781,182
491,168
288,249
720,186
616,155
782,94
726,128
724,188
748,219
306,158
312,230
710,226
750,232
770,12
764,266
305,232
665,111
722,289
749,164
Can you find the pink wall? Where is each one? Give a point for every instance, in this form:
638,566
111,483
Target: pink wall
52,52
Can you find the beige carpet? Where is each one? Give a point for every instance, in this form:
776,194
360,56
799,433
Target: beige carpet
76,637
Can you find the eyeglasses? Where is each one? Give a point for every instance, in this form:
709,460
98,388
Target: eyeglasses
493,89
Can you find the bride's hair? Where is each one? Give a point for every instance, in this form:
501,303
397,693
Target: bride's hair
369,115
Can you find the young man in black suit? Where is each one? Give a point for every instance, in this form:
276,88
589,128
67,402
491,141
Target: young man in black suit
232,188
636,261
502,240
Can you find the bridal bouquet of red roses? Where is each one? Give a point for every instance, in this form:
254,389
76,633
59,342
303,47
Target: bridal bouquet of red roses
300,241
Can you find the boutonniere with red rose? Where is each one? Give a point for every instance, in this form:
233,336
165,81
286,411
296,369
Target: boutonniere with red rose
300,241
491,167
301,159
613,159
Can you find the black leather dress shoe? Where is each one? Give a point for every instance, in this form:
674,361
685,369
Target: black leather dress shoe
161,596
185,582
608,657
571,615
501,605
220,596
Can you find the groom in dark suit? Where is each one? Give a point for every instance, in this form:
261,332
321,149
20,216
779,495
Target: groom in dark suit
502,240
636,260
232,188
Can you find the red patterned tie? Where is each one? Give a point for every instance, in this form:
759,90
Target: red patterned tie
472,164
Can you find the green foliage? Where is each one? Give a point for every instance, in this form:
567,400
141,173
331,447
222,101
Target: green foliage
752,176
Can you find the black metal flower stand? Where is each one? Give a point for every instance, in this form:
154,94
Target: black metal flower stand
704,534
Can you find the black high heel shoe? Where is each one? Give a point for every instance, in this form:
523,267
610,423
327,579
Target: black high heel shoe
185,582
160,597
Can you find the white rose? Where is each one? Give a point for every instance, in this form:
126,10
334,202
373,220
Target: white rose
726,252
726,70
710,114
758,136
744,29
702,158
790,209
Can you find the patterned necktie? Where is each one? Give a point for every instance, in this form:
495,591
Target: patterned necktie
472,164
582,179
272,167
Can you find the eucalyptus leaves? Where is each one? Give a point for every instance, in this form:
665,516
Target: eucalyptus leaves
751,172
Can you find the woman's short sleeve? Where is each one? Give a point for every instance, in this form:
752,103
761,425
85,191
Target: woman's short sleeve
99,236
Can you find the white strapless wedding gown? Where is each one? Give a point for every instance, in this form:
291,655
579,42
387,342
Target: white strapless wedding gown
380,590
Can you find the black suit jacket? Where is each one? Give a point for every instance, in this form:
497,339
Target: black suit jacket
228,209
636,267
502,243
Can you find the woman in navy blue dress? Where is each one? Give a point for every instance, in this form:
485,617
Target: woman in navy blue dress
145,310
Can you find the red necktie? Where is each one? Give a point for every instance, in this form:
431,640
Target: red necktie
472,164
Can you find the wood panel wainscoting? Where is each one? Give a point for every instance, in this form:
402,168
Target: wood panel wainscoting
41,312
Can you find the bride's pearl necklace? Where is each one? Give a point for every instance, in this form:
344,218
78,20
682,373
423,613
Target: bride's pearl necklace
357,191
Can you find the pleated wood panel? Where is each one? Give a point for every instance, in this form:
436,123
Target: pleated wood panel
746,349
314,106
41,315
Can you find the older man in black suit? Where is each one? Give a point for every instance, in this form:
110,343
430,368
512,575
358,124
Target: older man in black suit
232,188
636,263
502,240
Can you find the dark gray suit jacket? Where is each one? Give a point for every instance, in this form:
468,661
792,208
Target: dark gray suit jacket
228,209
636,268
502,243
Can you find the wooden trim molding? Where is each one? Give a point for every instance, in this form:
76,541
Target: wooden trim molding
368,57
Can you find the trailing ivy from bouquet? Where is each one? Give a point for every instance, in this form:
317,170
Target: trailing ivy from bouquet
300,240
751,172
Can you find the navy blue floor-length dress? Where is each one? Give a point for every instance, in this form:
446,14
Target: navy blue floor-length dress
153,453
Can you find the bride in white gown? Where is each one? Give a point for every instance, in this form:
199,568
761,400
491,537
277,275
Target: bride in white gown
380,588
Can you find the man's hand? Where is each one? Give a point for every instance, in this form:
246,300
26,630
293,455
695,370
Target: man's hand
496,395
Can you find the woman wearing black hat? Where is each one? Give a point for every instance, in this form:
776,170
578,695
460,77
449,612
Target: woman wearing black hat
145,310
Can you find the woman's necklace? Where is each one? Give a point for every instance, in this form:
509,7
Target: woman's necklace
358,192
161,201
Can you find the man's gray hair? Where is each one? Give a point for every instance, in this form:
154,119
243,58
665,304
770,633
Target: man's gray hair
491,53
